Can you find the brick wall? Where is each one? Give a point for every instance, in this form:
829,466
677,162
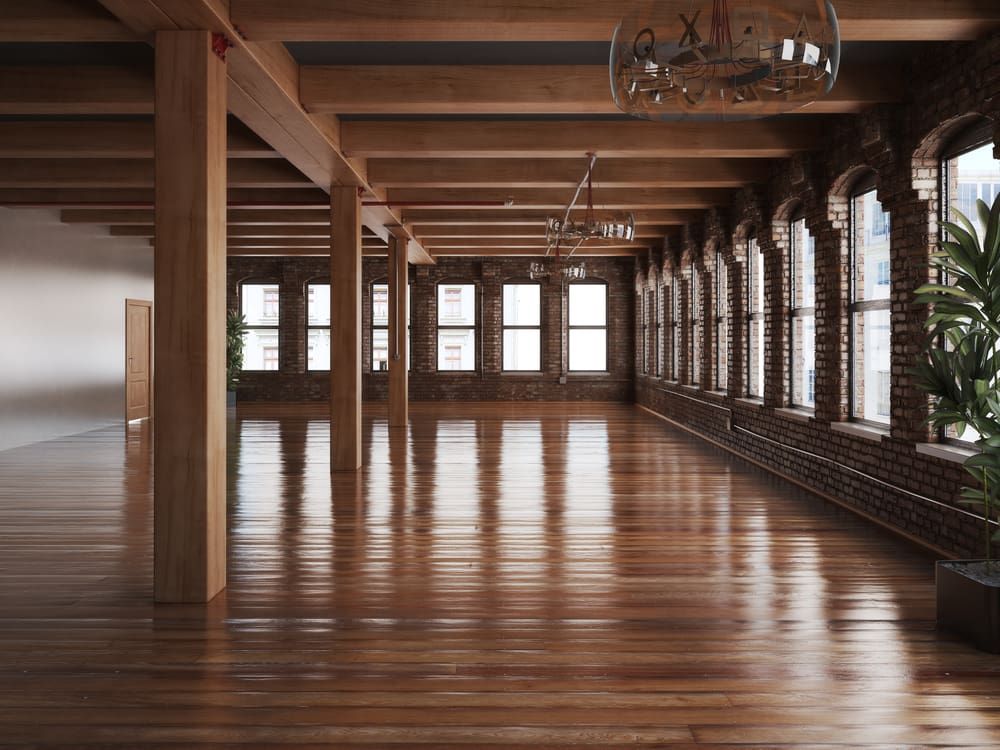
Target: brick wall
294,383
880,473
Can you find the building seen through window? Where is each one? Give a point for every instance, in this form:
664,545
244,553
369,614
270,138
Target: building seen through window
318,326
456,326
259,304
803,315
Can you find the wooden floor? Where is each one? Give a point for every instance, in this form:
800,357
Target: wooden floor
583,576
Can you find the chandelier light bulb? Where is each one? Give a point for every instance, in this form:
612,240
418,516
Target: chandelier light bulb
732,58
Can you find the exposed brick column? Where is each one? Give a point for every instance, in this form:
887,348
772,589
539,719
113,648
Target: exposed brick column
684,329
774,242
832,277
736,281
491,296
706,347
423,325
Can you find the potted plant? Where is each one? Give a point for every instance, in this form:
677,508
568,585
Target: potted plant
236,327
961,371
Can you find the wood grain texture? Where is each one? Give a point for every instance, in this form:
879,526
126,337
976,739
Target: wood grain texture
569,576
190,321
345,331
399,305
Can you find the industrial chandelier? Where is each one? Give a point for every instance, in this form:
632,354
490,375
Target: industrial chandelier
570,272
564,230
751,59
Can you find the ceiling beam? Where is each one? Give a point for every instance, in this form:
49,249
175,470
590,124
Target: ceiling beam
619,139
527,231
522,217
75,90
526,89
476,251
579,20
258,199
111,139
566,173
59,21
264,94
138,173
556,199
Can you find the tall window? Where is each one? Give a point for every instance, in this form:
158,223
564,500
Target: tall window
755,319
318,326
803,315
522,333
643,331
721,323
675,328
871,344
968,173
660,293
588,327
694,348
457,327
259,305
380,327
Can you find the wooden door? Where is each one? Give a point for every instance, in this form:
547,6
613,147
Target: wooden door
138,328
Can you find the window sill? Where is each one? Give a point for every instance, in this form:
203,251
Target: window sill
588,374
757,403
945,452
521,373
796,415
863,431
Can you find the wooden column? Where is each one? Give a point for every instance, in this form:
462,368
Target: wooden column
398,344
190,321
345,338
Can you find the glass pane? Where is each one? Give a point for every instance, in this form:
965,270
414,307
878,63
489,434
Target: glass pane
694,355
871,249
318,304
522,305
380,304
380,350
972,176
755,385
803,266
722,354
319,349
804,361
456,305
588,305
872,354
660,295
259,303
260,350
756,277
457,349
522,349
588,349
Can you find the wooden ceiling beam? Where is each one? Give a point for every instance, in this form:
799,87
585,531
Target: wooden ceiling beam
523,89
430,234
137,173
475,251
112,139
556,199
520,217
237,231
617,139
264,94
75,90
566,173
486,243
580,20
250,199
300,252
59,21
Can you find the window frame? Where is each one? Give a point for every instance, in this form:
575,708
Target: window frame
658,295
754,249
643,332
795,313
372,327
675,327
570,327
856,306
504,327
697,309
318,281
462,327
276,327
721,380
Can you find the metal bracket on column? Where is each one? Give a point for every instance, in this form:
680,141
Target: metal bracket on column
220,45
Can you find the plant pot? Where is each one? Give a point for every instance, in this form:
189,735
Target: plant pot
968,601
230,399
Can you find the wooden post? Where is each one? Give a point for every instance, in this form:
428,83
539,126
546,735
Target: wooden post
189,430
345,338
398,339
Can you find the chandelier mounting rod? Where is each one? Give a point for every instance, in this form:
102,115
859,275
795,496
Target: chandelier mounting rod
590,203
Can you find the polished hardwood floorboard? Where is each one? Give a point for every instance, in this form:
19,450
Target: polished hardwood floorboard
530,575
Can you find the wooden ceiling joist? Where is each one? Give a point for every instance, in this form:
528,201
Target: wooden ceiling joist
580,20
527,231
59,21
556,199
75,90
520,217
617,139
523,89
566,173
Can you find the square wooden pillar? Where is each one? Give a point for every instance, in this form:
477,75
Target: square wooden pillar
189,429
345,337
398,339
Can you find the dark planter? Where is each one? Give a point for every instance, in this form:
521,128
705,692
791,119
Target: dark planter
230,399
968,602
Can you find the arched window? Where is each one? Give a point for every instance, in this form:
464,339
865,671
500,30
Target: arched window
755,319
968,173
870,301
721,323
260,303
588,326
643,331
456,326
658,337
694,345
675,330
802,324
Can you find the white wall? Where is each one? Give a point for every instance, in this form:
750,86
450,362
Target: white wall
62,324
